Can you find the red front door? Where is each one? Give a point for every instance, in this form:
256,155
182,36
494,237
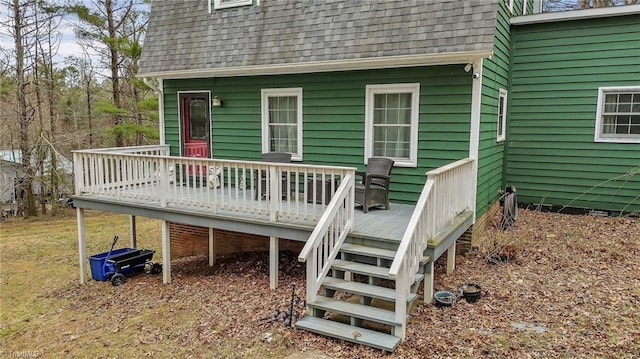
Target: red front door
195,124
195,119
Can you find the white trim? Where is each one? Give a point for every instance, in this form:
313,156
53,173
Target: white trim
414,89
474,131
276,92
524,6
576,15
180,124
503,120
218,4
328,66
509,4
161,120
597,133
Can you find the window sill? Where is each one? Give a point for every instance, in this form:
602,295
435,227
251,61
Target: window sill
616,140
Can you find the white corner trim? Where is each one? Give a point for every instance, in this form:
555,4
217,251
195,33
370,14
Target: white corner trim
328,66
161,120
576,15
476,107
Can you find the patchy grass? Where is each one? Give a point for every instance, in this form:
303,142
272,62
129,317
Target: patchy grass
577,278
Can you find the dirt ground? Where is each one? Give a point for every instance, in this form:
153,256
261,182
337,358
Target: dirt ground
569,289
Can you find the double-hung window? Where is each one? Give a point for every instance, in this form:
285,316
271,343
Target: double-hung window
391,118
282,121
502,116
618,114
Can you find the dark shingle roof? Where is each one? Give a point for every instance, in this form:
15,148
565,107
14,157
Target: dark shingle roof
184,36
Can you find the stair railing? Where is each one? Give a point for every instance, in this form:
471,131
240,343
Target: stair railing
325,241
447,192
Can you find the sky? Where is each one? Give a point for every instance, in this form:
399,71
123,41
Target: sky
68,43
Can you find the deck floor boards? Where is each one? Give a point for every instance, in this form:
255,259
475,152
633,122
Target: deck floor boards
377,223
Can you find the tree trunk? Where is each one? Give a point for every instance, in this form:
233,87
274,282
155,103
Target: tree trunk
115,79
26,200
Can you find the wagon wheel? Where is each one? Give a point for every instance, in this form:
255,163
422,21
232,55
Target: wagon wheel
156,268
118,279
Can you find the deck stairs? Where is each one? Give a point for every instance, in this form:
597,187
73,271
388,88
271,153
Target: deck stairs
357,299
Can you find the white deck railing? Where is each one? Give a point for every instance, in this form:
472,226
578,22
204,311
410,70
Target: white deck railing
447,192
219,186
326,239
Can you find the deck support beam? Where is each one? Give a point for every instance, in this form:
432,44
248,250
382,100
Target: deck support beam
132,231
82,245
213,247
166,253
428,282
451,258
273,262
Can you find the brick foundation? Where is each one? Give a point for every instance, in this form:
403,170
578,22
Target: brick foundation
187,240
465,242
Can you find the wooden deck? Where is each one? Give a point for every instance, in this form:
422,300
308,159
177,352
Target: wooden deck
213,208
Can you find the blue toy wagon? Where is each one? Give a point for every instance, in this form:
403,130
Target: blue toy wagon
115,265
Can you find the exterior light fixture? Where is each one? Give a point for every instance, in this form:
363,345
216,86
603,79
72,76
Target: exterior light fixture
216,102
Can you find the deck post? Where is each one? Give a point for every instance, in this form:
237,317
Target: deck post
82,245
213,247
273,262
166,253
428,282
132,231
451,258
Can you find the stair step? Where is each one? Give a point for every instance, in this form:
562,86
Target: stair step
363,289
360,311
368,251
361,268
349,333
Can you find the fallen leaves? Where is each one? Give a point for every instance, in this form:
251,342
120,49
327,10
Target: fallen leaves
576,277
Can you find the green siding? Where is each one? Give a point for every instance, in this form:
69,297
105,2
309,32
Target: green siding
333,117
495,75
557,69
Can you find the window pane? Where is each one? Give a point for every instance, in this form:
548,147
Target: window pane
379,116
198,118
393,100
379,101
405,100
392,117
624,107
611,98
624,98
610,107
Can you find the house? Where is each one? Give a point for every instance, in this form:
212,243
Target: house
574,109
333,83
11,172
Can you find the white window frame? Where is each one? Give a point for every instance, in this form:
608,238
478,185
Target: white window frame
371,90
502,120
525,3
598,135
219,4
281,92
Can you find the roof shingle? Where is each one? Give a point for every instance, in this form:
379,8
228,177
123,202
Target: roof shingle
184,36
